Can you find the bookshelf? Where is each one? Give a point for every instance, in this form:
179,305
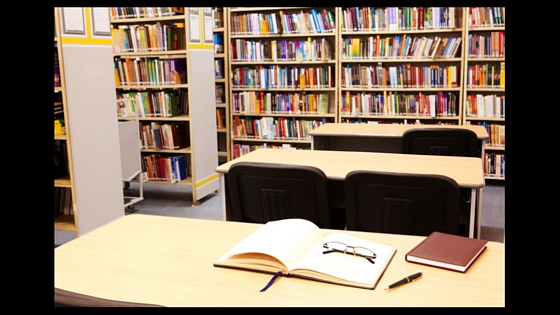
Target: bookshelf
63,180
401,65
222,82
484,92
283,65
163,64
85,97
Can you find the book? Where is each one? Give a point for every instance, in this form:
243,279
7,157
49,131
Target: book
219,118
156,135
178,71
502,74
218,15
447,251
298,248
60,159
218,43
323,103
180,136
178,10
56,67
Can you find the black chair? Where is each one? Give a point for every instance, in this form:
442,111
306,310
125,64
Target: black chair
441,141
412,204
262,192
64,298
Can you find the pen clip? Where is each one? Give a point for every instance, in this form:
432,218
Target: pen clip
420,276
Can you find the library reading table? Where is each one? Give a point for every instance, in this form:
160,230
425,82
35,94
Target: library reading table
466,171
169,261
375,137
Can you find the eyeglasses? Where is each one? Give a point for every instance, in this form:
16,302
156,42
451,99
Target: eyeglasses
338,247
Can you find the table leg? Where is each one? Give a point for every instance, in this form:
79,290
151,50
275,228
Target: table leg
223,185
473,211
478,211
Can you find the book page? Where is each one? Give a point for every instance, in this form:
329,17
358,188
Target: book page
344,268
287,240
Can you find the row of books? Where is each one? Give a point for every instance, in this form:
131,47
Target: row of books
255,23
59,128
314,21
496,133
487,46
118,13
58,106
399,47
486,16
278,128
304,22
252,102
400,76
60,159
489,106
495,165
220,118
218,16
276,76
220,92
59,122
218,43
56,67
171,168
348,120
150,71
166,136
219,70
152,103
398,18
440,104
282,50
148,37
486,76
242,149
63,201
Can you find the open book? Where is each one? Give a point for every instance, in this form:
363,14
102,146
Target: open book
297,247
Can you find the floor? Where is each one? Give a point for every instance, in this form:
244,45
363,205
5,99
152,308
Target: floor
174,200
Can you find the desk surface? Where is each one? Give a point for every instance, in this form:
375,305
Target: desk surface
466,171
384,130
169,261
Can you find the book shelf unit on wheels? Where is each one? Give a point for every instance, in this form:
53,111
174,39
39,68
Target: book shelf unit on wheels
167,72
131,160
283,75
484,91
393,66
86,93
221,69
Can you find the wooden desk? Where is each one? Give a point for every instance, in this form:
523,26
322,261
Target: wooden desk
383,138
374,137
466,171
168,261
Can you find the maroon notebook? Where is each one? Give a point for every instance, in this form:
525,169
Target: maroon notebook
447,251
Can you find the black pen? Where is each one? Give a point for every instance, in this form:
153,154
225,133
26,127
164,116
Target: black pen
408,279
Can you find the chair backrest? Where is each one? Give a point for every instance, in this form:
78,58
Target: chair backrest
413,204
441,141
262,192
64,298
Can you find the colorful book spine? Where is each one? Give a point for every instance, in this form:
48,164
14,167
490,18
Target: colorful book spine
56,67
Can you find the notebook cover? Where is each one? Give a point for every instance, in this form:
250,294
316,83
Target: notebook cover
441,249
